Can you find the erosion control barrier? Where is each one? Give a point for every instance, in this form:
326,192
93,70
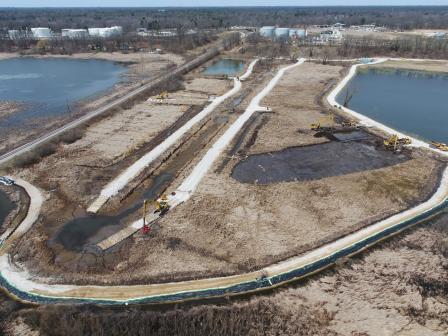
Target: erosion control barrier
243,287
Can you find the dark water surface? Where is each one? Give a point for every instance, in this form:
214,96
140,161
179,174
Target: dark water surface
47,86
409,101
313,162
5,206
225,66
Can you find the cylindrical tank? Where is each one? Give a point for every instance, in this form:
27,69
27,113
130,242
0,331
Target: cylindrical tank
297,33
94,31
41,33
267,31
282,32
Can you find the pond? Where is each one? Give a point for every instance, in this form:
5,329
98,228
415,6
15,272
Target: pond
410,101
49,87
306,163
5,207
225,66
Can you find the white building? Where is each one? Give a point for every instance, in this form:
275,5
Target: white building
298,33
75,33
42,33
267,31
281,32
14,34
330,35
106,32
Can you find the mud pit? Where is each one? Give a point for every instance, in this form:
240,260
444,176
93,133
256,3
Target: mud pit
313,162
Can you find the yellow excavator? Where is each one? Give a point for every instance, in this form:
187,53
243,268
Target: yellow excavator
394,143
325,122
440,146
162,95
162,205
349,123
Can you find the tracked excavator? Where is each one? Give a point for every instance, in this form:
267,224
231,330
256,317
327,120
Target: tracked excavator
395,144
440,146
325,123
162,207
163,95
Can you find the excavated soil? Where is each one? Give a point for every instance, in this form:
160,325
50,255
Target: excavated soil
229,227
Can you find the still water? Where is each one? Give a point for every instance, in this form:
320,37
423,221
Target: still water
5,207
410,101
49,87
225,66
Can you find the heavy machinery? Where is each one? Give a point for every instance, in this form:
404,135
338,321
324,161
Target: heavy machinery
349,123
395,144
324,123
163,95
162,205
440,146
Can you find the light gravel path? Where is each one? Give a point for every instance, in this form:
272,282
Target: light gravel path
25,282
366,121
33,213
113,187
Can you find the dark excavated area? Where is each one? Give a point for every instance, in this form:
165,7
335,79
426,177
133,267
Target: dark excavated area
313,162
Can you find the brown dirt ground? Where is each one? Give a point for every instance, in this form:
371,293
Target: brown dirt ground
228,227
396,288
432,66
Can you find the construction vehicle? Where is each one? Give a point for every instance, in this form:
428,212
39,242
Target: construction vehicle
146,228
327,120
163,95
440,146
162,205
395,144
349,123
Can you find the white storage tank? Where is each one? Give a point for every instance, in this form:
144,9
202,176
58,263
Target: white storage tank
117,30
94,31
282,32
267,31
41,33
77,33
297,33
14,34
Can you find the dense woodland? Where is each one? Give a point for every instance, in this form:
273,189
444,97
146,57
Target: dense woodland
401,18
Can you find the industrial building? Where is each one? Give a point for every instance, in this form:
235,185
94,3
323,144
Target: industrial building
330,35
75,33
282,33
106,32
41,33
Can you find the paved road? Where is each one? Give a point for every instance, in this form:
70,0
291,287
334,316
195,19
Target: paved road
130,95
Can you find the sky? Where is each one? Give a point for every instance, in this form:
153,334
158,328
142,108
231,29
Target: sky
168,3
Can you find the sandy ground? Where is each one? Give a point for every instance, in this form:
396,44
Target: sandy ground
430,66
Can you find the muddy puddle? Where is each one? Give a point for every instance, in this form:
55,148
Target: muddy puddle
84,232
313,162
6,206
